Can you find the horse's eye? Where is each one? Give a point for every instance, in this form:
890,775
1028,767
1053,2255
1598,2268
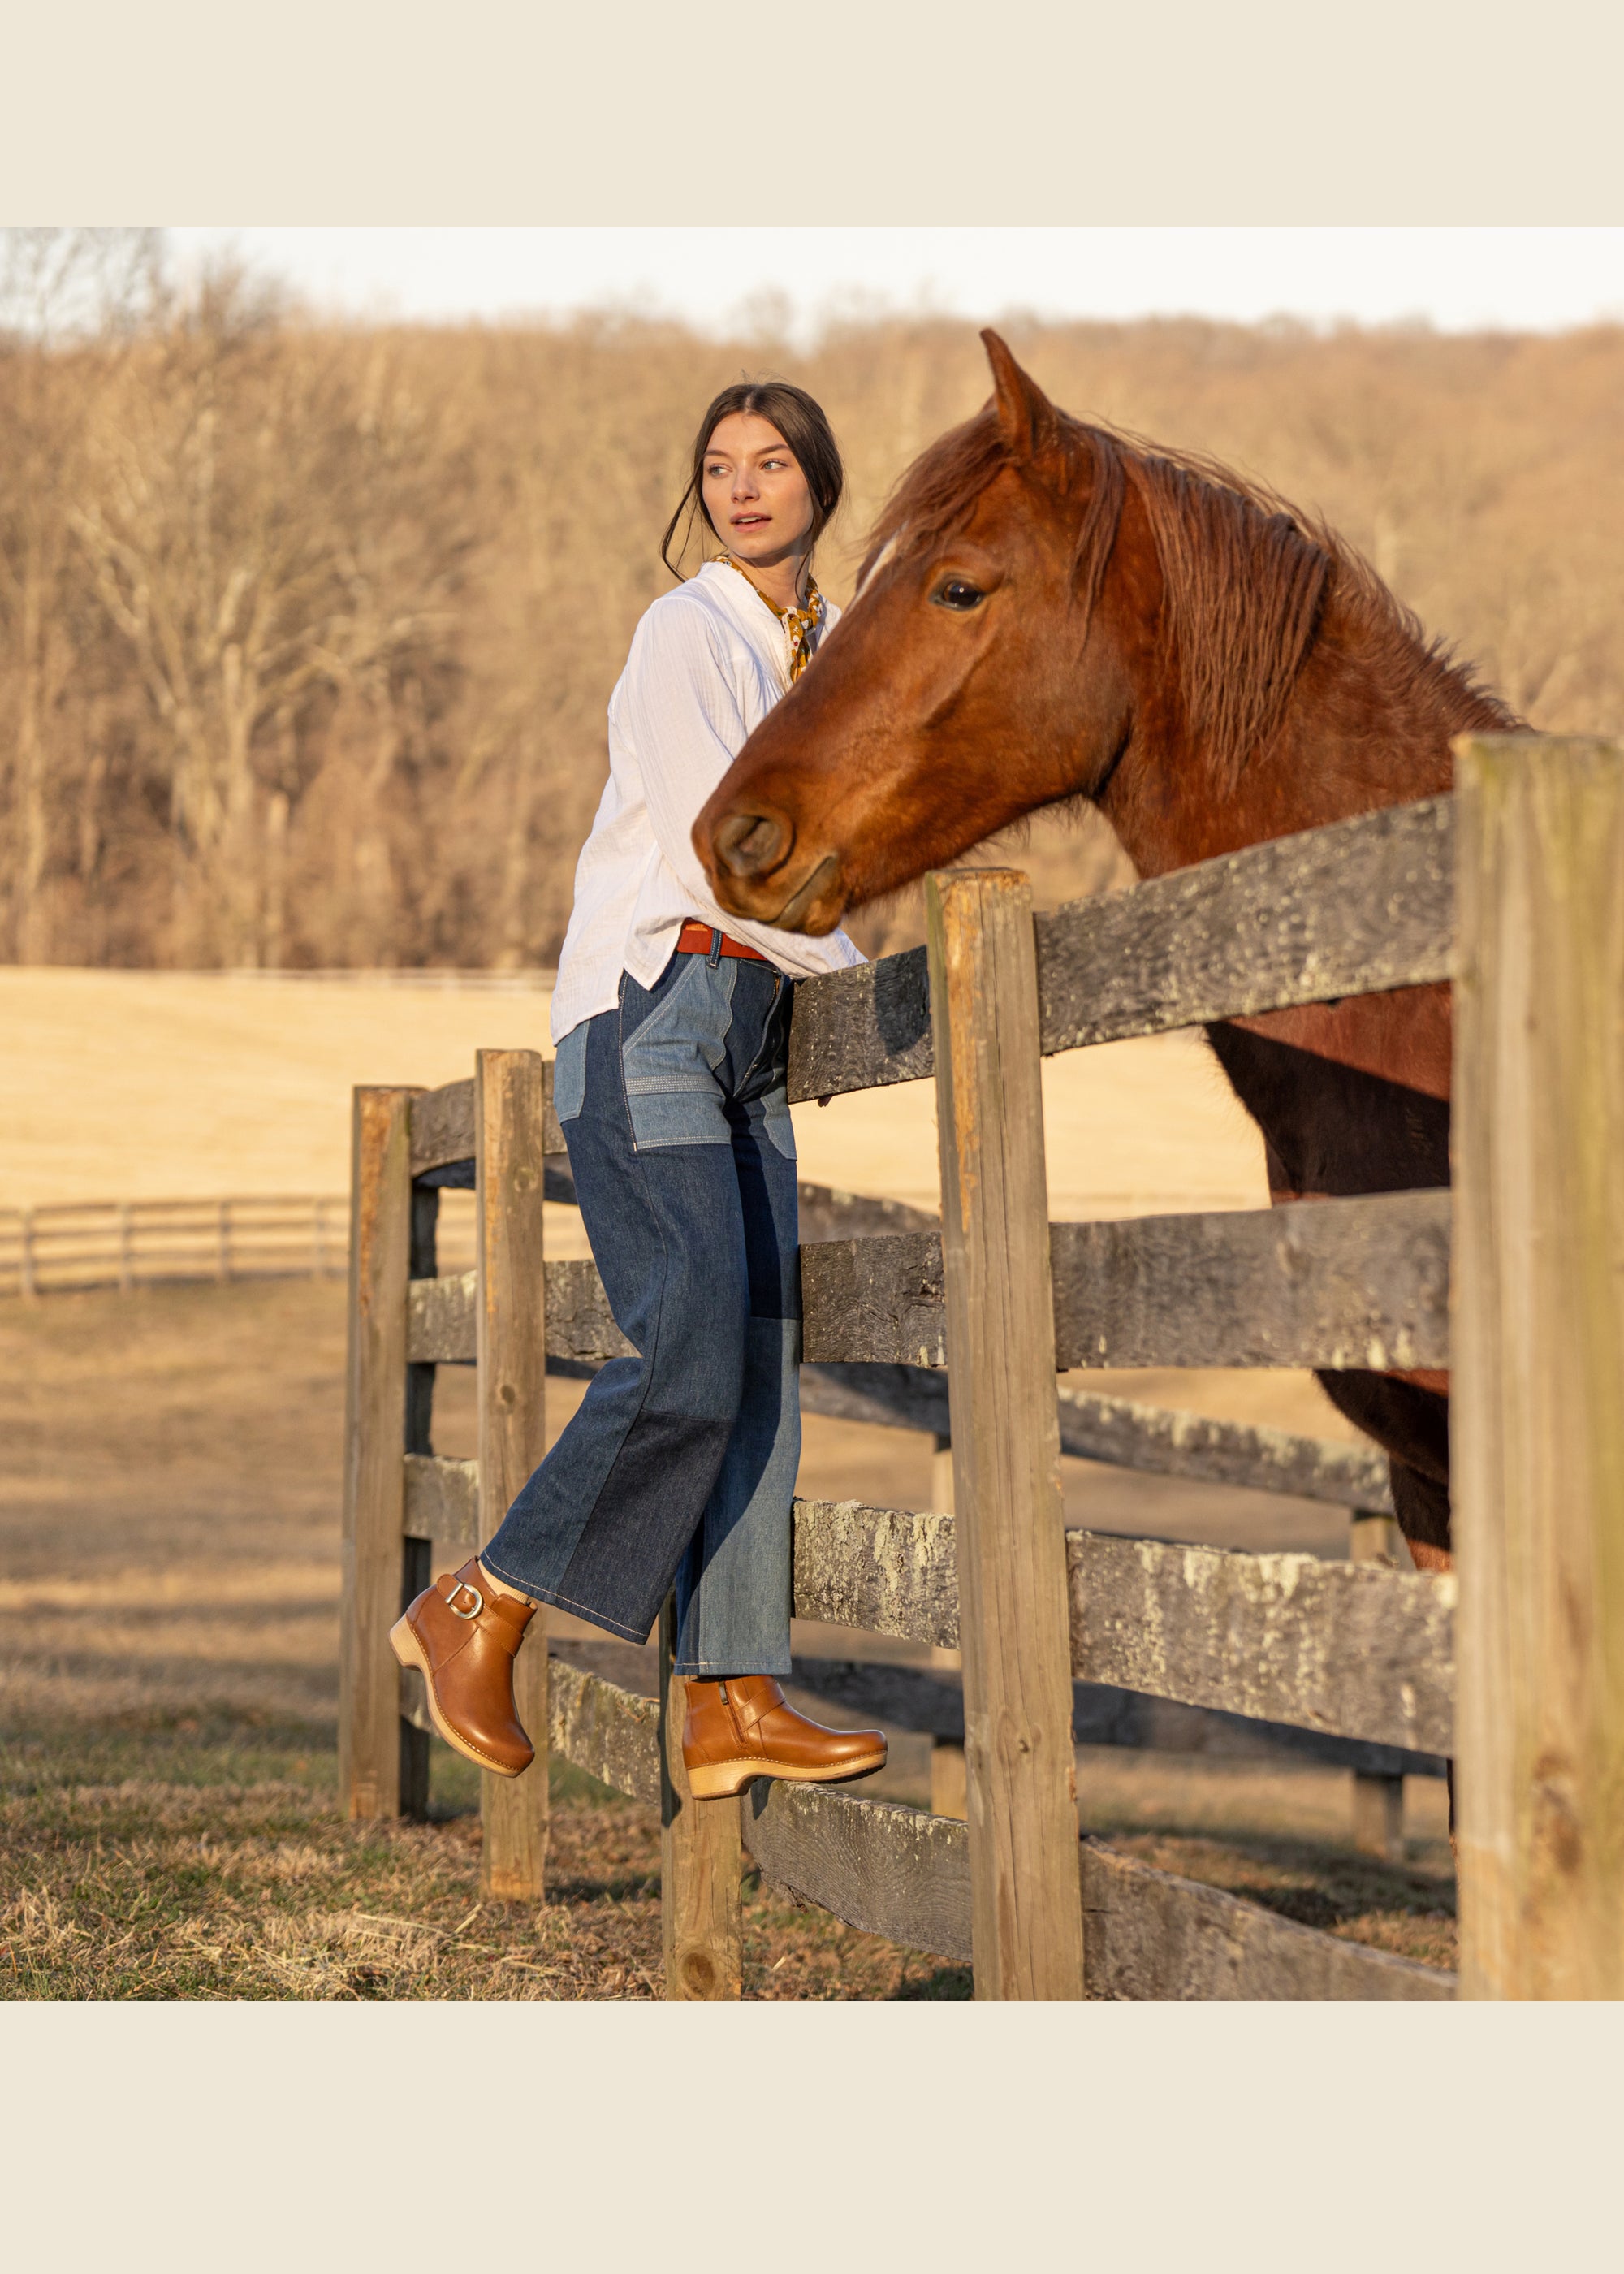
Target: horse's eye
956,593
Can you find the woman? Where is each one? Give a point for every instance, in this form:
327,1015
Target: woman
672,1036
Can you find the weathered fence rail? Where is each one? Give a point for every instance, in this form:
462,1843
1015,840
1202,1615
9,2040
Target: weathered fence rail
1348,1654
1340,1648
1323,1284
1353,909
928,1700
1281,1287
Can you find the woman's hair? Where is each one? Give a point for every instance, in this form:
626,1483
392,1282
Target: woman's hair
801,423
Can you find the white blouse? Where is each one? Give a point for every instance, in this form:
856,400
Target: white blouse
707,662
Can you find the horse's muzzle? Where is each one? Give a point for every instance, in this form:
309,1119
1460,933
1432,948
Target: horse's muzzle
751,859
751,844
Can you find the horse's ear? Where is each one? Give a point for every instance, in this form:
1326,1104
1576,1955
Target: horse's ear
1026,417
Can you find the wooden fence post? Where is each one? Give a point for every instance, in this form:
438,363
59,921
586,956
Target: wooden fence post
701,1859
1026,1925
416,1555
512,1341
1377,1801
1538,1366
369,1747
947,1756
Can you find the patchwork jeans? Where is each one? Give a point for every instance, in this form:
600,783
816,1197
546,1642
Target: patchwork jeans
680,1464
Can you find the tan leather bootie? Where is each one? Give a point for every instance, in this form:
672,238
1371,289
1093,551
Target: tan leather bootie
741,1728
462,1636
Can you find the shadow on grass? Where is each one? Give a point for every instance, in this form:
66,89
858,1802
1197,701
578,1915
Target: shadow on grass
211,1747
453,1786
1408,1908
947,1981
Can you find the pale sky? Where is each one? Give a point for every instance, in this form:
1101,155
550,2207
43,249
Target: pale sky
1457,279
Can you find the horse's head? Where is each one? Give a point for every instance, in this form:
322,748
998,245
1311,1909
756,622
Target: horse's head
950,699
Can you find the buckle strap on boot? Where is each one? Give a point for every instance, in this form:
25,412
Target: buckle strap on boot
503,1617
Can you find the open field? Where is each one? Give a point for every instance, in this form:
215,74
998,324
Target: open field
148,1085
156,1085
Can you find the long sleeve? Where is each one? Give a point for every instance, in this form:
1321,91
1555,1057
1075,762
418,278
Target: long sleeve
681,716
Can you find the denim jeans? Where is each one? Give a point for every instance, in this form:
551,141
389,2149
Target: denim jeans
680,1464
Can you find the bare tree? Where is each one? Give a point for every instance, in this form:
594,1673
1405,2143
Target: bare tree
66,296
239,538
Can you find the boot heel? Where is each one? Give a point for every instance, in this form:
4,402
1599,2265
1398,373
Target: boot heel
403,1643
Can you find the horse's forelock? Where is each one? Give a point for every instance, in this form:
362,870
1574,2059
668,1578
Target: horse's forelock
878,554
938,492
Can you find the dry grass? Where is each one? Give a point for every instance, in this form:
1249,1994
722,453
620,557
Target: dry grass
206,1859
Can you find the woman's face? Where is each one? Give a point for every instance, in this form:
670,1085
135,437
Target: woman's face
755,492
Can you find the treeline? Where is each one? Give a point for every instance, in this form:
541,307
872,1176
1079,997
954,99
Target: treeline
306,634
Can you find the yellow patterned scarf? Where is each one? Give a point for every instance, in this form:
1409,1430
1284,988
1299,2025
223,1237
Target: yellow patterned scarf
800,622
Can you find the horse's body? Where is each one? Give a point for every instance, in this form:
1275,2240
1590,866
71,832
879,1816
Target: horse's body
1050,611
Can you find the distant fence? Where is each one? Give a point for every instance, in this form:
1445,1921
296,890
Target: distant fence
76,1244
79,1244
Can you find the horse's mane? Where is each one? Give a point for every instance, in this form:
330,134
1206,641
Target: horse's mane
1245,574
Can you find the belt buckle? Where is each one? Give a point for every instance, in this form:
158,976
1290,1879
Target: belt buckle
465,1587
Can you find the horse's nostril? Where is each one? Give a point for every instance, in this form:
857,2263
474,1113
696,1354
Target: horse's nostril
748,843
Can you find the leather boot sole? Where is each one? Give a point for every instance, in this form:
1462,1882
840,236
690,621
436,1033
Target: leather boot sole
409,1651
720,1779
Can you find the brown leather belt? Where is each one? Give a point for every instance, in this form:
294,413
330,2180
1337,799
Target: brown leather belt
697,939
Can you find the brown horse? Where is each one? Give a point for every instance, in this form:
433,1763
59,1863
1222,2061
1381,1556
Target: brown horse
1051,610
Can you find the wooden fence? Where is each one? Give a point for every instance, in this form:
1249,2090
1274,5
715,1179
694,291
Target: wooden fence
1000,1299
142,1243
74,1244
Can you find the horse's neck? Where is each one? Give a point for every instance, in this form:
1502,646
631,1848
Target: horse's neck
1369,724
